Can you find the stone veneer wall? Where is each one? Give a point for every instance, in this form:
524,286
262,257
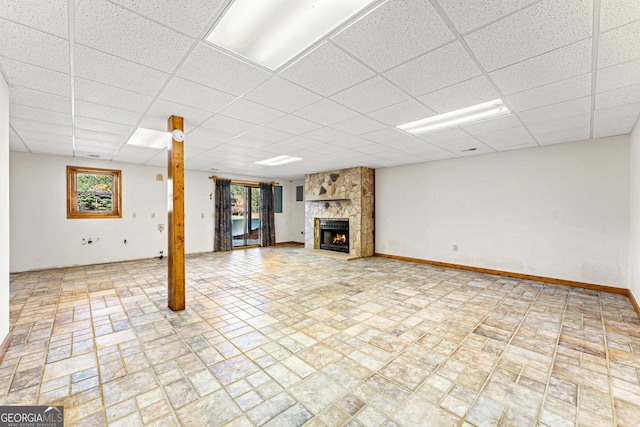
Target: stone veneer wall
343,194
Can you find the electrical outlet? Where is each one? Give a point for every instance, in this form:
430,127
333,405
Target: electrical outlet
202,215
160,227
455,248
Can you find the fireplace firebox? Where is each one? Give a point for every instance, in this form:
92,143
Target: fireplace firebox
334,235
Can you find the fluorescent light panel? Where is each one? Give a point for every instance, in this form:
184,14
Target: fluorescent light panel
271,32
475,113
279,160
150,138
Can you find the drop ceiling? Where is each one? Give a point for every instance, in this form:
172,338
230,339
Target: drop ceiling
84,76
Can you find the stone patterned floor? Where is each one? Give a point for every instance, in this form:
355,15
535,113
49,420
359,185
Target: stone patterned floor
278,337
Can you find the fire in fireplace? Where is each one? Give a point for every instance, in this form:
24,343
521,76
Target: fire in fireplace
334,235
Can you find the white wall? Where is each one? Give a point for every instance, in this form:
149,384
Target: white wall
558,211
634,214
4,210
294,214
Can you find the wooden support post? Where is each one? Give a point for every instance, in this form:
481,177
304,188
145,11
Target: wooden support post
175,187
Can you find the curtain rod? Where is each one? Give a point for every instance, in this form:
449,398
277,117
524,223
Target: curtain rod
240,182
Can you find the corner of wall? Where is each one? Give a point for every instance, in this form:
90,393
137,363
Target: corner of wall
4,214
634,216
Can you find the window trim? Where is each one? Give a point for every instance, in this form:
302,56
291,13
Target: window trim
72,210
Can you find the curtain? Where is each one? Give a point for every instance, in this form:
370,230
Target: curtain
223,225
267,217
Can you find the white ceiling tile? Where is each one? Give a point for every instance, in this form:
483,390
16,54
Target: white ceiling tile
617,76
128,35
228,124
517,146
613,127
251,112
282,95
155,123
443,67
457,144
469,14
326,112
564,90
16,144
447,135
326,135
614,13
281,149
438,155
34,125
550,67
616,97
404,112
98,93
197,162
298,142
100,136
388,136
102,126
498,123
211,67
560,124
44,50
549,24
619,45
293,125
370,95
32,77
42,137
246,142
461,95
264,133
34,98
557,111
205,143
324,148
400,30
195,95
54,149
110,114
565,135
24,112
112,70
327,70
358,125
158,160
352,142
192,116
51,15
617,113
373,148
107,151
187,16
502,138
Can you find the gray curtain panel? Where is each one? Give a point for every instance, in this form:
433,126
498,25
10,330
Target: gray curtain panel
267,217
223,226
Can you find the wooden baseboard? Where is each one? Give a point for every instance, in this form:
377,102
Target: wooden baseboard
514,275
634,302
5,346
289,243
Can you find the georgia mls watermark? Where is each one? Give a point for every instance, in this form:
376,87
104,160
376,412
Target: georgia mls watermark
31,416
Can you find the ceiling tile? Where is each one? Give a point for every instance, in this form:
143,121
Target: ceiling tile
213,68
443,67
455,142
557,111
28,124
372,148
193,116
293,125
42,137
613,127
617,113
98,93
498,123
128,35
616,97
34,98
614,13
388,136
447,135
617,76
549,24
282,95
327,70
323,148
326,112
34,47
156,123
564,90
206,137
472,92
400,30
561,124
550,67
158,160
228,124
264,133
298,142
102,126
187,16
112,70
500,139
110,114
469,14
353,142
51,148
100,136
404,112
370,95
52,16
251,112
195,95
358,125
619,45
24,112
16,144
326,135
251,143
565,135
32,77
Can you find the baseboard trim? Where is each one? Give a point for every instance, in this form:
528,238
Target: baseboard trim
5,346
634,303
289,243
591,286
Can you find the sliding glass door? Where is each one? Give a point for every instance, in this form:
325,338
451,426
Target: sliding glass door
245,209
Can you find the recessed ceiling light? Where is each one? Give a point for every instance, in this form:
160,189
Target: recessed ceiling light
271,32
463,116
150,138
279,160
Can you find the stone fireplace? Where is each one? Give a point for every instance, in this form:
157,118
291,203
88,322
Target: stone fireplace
340,200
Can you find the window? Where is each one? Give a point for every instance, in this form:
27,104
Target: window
93,193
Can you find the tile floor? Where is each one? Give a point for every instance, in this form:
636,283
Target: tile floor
278,337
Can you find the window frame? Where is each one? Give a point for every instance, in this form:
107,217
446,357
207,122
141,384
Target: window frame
116,191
